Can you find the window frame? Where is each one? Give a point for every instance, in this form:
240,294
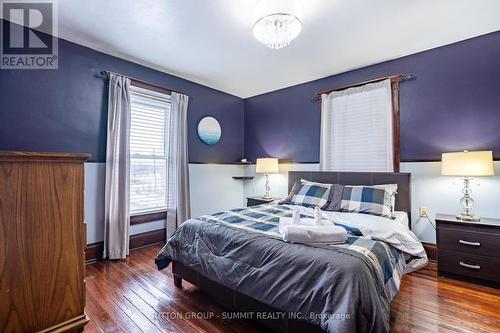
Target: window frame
396,121
148,217
153,214
396,124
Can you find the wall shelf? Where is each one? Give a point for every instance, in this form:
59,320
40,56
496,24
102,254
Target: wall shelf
247,163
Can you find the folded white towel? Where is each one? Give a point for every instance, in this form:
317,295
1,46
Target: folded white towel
317,220
331,234
287,221
318,217
310,230
284,223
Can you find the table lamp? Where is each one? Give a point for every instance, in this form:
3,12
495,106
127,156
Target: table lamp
267,166
467,164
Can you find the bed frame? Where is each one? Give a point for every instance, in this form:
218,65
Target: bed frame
281,321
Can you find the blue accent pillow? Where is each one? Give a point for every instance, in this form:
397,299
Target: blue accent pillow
308,194
374,200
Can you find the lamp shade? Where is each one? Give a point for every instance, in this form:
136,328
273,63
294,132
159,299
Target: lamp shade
267,165
467,163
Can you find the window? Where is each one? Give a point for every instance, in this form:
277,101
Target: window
150,119
357,129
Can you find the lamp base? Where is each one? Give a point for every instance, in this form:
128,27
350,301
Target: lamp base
467,202
468,218
267,195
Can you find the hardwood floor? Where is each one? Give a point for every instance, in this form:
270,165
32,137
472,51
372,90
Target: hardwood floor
128,296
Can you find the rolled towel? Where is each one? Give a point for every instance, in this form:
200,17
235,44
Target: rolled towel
330,234
286,221
318,217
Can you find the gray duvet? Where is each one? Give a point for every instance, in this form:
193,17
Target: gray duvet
336,288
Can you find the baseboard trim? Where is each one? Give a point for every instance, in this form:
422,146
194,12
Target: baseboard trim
431,250
93,252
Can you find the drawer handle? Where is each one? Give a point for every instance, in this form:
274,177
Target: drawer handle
469,266
469,243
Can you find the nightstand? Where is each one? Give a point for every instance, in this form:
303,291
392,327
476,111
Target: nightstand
469,250
254,201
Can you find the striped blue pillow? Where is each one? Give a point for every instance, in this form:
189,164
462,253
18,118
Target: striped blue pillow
310,195
374,200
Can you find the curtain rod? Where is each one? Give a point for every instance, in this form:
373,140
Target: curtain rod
393,78
144,84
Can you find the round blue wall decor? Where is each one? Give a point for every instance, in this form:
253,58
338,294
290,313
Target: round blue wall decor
209,130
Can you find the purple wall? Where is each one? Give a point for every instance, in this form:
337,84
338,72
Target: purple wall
66,109
452,104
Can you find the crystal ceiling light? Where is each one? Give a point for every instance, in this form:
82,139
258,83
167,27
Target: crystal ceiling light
277,23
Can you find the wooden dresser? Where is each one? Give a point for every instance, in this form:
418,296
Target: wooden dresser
469,250
42,242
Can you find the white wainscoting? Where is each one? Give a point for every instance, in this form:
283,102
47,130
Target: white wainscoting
442,195
212,189
94,201
429,189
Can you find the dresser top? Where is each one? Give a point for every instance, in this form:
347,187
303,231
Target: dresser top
448,218
42,156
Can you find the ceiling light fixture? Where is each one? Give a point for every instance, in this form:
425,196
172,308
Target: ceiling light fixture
277,23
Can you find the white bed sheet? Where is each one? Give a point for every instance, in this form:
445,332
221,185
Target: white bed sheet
401,218
394,232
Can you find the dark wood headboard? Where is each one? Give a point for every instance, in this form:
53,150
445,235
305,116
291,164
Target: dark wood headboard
403,198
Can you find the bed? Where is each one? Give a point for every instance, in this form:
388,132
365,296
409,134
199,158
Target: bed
238,257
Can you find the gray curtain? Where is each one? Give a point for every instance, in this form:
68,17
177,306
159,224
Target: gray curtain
116,215
179,208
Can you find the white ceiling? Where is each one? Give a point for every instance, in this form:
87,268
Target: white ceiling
211,41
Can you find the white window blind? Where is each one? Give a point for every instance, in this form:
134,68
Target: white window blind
356,129
150,119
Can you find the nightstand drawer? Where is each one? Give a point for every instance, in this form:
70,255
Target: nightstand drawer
471,242
470,265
